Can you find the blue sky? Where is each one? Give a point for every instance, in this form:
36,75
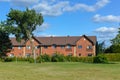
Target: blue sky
99,18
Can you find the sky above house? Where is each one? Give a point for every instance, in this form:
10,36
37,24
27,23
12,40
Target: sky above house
99,18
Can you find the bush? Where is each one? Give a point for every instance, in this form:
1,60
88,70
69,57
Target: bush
31,60
46,58
8,59
113,56
58,58
100,59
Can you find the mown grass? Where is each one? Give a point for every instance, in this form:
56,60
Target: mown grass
59,71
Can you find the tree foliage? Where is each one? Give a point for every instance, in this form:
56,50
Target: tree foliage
5,42
24,22
116,40
100,47
115,47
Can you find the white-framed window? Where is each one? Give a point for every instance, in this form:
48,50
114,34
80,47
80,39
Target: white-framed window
28,47
36,47
79,46
11,55
54,46
89,54
68,47
27,54
89,47
62,46
19,47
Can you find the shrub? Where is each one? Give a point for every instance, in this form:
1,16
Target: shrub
31,60
58,58
46,58
100,59
8,59
113,56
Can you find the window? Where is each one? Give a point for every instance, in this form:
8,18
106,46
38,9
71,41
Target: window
54,46
11,55
45,47
69,54
36,47
27,54
28,47
79,46
19,47
89,54
79,54
89,47
62,47
68,46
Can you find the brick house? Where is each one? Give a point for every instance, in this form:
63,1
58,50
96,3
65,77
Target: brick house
69,45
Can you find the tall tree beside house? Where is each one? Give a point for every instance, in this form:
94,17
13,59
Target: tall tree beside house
100,47
5,43
24,23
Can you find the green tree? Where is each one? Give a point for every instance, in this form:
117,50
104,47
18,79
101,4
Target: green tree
116,40
100,47
24,23
5,42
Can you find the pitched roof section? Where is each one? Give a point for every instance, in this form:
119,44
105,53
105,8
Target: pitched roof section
64,40
15,43
58,40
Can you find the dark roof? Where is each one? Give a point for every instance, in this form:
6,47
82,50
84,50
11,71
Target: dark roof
64,40
15,43
59,40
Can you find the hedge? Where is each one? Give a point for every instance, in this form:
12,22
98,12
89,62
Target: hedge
62,58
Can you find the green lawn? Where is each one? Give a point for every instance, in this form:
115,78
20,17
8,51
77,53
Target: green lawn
59,71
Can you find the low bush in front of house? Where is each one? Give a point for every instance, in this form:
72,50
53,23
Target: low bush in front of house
100,59
104,58
58,58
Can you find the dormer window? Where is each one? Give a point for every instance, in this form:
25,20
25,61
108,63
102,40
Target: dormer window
19,47
54,46
68,47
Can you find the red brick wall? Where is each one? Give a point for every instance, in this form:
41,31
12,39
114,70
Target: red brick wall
50,50
84,51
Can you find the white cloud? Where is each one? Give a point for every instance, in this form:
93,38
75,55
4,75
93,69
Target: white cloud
51,9
79,6
108,18
106,34
21,3
55,8
106,30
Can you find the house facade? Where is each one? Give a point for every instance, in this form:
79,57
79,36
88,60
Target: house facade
69,45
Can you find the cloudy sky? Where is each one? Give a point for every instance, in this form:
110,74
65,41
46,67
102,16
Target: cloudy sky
71,17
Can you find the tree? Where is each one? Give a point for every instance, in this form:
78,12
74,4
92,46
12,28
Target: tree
5,42
24,23
113,49
100,47
116,40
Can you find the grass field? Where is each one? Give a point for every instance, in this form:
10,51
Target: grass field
59,71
